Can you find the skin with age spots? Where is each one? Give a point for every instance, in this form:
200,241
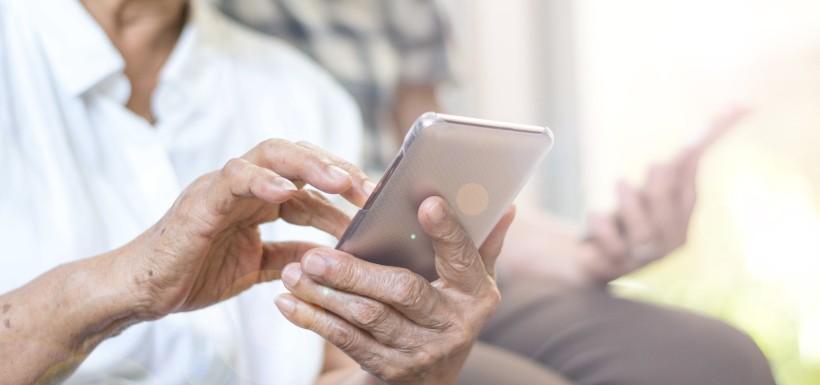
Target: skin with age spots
6,308
225,245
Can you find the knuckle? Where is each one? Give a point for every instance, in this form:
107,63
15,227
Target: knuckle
449,229
456,237
344,338
374,364
366,313
394,373
370,361
416,366
273,144
461,337
344,275
233,168
306,144
457,245
313,151
350,167
409,289
198,188
321,154
271,149
462,261
492,298
426,359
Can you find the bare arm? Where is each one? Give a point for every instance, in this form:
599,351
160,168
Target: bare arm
413,100
53,323
204,250
649,222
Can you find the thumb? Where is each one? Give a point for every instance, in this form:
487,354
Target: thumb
457,260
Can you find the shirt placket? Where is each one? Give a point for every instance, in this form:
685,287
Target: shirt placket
140,165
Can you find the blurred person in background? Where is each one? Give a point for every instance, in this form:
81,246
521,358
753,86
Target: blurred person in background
391,56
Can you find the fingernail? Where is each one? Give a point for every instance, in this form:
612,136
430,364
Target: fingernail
338,172
315,265
369,187
436,213
283,184
292,275
285,304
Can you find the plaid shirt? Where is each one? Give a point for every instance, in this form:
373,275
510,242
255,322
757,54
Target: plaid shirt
370,46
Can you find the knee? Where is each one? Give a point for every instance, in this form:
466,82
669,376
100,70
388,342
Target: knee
618,341
714,350
681,347
591,337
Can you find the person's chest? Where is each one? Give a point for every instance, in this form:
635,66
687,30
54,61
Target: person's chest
83,175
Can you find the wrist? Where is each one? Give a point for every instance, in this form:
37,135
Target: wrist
70,309
134,279
52,323
447,374
100,298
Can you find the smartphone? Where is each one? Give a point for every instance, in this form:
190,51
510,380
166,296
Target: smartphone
477,166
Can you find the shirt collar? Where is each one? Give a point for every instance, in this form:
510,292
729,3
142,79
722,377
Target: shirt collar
83,57
77,48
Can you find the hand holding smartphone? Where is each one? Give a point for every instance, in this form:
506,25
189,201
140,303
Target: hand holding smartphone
477,166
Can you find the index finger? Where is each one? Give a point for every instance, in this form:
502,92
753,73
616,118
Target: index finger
362,185
718,127
687,161
312,165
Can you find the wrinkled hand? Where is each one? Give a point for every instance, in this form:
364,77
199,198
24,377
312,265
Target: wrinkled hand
396,325
207,247
652,221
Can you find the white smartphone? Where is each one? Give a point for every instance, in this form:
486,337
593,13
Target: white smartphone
477,166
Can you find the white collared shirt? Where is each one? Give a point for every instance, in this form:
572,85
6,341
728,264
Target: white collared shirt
80,174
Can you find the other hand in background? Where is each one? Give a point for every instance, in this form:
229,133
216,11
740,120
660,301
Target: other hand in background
649,222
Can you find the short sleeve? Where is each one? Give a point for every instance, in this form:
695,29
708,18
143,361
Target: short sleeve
420,33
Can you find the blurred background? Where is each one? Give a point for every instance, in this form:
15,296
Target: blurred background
627,83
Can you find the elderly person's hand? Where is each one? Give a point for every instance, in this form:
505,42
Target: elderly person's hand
208,248
205,249
396,325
